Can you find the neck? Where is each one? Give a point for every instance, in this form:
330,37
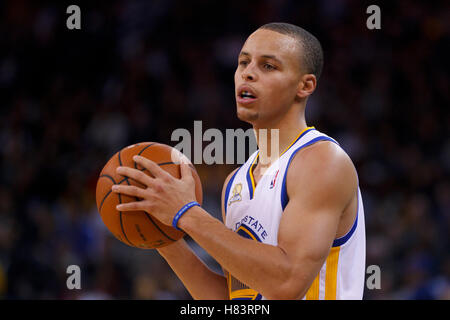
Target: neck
275,138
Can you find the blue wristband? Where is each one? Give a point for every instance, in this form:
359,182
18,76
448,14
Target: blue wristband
182,211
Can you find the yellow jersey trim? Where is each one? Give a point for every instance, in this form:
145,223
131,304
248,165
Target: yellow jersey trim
331,274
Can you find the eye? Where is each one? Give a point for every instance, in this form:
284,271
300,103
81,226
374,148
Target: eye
243,63
269,66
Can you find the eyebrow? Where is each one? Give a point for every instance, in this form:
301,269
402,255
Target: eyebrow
268,56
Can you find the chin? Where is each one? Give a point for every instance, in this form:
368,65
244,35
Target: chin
247,115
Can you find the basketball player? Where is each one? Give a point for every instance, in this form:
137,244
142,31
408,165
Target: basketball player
293,226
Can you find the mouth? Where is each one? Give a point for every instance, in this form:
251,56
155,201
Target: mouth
245,95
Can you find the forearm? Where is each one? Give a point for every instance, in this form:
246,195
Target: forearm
201,282
262,267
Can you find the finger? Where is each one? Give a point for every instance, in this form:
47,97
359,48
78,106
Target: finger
186,172
151,166
132,206
129,190
135,174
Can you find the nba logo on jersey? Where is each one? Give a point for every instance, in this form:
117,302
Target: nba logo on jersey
272,183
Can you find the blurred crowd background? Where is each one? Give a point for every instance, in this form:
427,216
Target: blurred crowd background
137,70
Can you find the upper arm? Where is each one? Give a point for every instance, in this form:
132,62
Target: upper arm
320,182
222,203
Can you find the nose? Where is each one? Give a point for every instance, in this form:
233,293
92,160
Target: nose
249,74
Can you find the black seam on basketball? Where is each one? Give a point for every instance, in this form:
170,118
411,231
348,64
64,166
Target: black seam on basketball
143,149
120,160
154,223
103,200
109,192
123,230
109,177
126,179
166,163
120,201
120,163
106,195
121,223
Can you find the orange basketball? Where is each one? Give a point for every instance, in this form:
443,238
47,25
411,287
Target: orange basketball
138,228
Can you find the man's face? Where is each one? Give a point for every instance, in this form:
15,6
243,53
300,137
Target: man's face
267,77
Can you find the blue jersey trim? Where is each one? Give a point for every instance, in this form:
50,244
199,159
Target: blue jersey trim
249,183
227,190
240,231
284,196
300,137
340,241
249,176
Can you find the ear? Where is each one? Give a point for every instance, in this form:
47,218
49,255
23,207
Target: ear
306,86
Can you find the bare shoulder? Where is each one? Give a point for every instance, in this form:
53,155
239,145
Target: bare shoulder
322,170
228,178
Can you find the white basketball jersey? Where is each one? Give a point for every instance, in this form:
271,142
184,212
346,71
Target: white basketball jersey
255,213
